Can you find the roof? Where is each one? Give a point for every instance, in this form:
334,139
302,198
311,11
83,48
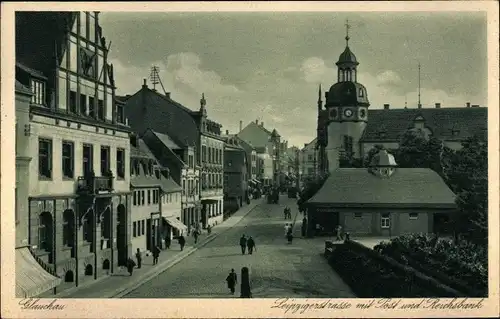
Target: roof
167,141
347,93
141,151
43,32
406,187
392,123
311,144
347,57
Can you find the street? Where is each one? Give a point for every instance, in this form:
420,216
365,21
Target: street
277,269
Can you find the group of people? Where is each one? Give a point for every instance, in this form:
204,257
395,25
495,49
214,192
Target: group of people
247,243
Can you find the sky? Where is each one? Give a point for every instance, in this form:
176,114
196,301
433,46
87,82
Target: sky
268,65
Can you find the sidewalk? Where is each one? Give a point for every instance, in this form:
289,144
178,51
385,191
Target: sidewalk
120,283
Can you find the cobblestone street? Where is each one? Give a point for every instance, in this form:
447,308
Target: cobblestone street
277,269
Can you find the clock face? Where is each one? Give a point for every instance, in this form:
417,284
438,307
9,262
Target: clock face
348,113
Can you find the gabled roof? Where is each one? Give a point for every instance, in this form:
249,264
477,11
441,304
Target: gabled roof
310,145
151,135
406,187
389,125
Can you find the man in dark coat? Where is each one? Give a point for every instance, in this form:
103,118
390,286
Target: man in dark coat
231,280
182,242
138,255
130,266
156,254
243,244
250,245
304,227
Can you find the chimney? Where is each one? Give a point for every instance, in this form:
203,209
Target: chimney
468,104
167,94
438,105
386,106
227,132
257,121
241,126
144,85
475,105
134,139
262,124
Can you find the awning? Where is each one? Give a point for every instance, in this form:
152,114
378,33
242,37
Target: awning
31,278
174,222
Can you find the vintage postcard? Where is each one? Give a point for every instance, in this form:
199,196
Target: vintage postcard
250,159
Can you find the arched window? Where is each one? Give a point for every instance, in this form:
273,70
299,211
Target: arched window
361,94
68,228
45,231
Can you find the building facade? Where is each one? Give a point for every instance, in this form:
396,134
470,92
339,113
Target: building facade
235,172
182,169
79,183
265,164
309,161
211,159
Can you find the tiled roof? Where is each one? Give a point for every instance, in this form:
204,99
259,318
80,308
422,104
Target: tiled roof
141,151
410,187
389,125
167,141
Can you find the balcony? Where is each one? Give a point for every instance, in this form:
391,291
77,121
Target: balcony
93,185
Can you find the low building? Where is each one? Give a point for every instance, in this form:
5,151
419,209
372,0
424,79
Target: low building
235,174
182,169
382,200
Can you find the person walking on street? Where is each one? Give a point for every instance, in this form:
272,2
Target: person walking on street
156,254
286,229
182,242
231,280
289,235
130,266
251,245
209,229
243,244
195,235
304,227
138,255
289,212
339,232
285,212
167,241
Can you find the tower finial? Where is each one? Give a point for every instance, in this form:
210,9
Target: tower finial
203,102
347,27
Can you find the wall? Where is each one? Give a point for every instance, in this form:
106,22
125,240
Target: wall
140,214
267,166
44,127
336,132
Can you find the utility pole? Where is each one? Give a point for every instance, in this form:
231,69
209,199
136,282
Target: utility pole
419,104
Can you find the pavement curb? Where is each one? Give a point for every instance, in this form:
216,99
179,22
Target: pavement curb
126,290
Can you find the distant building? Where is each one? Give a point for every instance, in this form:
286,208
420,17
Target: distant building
382,200
253,167
309,161
235,171
265,165
77,214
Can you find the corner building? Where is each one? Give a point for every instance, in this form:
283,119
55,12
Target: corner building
79,201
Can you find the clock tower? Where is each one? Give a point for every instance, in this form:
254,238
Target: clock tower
347,106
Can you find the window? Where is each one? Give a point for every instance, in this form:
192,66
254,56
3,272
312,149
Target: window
209,155
143,197
191,161
120,162
229,163
149,197
309,157
68,153
38,89
385,221
68,222
100,109
88,159
45,231
120,118
183,187
72,102
150,168
358,215
135,198
104,160
134,231
361,93
348,145
83,104
142,227
45,158
204,153
413,216
91,106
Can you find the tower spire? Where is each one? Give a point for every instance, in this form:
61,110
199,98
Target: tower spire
203,102
347,27
419,104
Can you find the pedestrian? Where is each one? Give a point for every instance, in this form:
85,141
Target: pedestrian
285,212
138,255
130,266
304,227
231,280
156,254
209,229
286,229
182,242
339,232
289,212
289,235
243,244
167,241
251,245
195,235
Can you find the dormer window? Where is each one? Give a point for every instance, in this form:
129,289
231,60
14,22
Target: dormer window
361,94
38,89
150,168
120,117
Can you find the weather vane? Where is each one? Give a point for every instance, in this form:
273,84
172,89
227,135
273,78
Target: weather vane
347,27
